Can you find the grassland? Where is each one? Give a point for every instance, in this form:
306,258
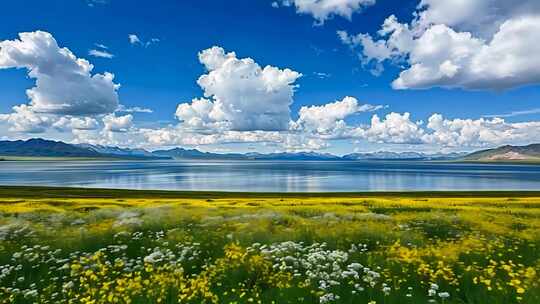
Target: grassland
108,246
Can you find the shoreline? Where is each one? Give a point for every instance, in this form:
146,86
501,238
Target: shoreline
78,192
8,158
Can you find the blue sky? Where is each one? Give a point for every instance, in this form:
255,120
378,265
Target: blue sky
161,73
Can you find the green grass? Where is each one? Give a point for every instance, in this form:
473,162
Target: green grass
70,192
116,246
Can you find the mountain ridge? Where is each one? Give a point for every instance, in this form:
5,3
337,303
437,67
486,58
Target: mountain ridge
42,147
507,153
38,147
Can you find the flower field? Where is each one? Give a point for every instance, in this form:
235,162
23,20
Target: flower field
99,246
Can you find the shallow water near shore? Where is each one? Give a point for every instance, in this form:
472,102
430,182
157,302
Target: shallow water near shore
272,176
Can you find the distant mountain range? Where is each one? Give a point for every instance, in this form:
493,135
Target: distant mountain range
507,153
119,152
403,156
38,147
180,153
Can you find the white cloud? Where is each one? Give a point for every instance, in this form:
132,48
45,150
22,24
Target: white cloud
479,132
84,123
322,10
93,3
515,113
240,95
135,40
478,44
201,114
64,83
395,128
480,17
24,120
329,118
177,135
130,139
373,50
460,60
322,75
100,54
75,123
115,123
242,103
398,43
246,103
450,133
124,109
152,41
296,143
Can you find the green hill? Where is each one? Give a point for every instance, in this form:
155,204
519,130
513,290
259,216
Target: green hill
507,153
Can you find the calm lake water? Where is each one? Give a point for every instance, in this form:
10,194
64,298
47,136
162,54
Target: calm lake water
272,176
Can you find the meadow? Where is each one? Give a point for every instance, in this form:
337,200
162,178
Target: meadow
108,246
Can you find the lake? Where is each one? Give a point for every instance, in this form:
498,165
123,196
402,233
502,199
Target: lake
272,176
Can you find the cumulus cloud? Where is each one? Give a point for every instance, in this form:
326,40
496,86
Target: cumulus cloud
64,83
479,132
398,128
329,118
322,10
240,95
296,143
456,59
480,17
394,128
243,103
478,44
201,114
375,52
24,120
129,139
115,123
176,135
75,123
